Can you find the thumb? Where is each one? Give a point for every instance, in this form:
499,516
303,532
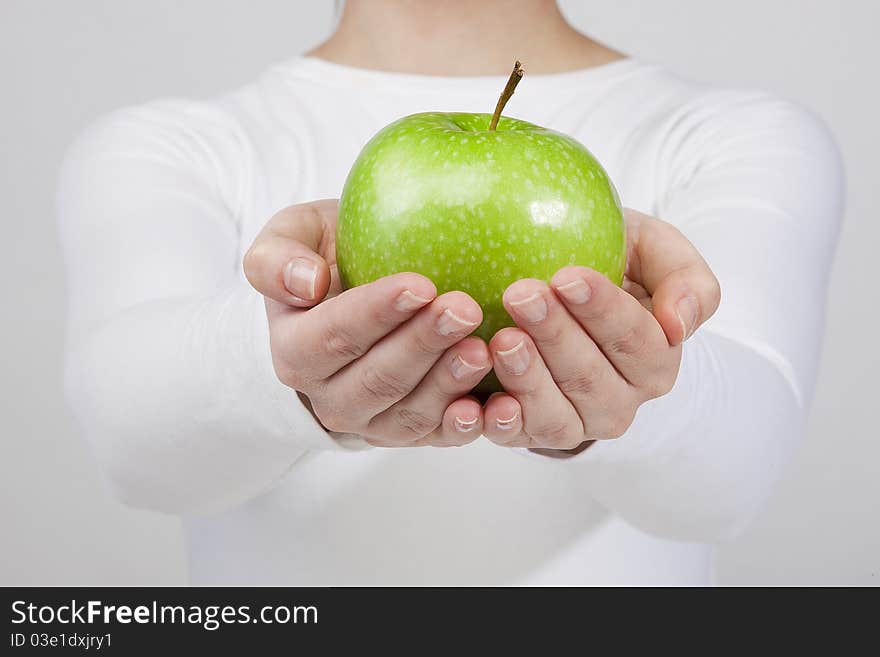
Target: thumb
684,291
288,261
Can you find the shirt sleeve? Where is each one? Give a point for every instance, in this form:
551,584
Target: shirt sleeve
757,185
168,366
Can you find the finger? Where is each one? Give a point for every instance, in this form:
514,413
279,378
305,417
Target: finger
627,334
685,300
502,421
285,262
340,330
634,289
685,292
579,368
548,417
462,424
454,375
396,364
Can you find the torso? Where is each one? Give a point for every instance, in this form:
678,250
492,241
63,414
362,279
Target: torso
473,515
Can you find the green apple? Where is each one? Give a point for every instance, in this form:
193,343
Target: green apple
475,209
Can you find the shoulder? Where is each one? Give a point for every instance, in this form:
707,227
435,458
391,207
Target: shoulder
676,106
695,128
184,130
716,121
168,142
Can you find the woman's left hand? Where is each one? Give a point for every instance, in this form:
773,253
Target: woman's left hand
585,353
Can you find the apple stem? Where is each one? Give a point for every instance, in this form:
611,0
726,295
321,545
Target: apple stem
512,81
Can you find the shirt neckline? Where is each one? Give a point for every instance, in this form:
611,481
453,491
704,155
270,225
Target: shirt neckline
331,73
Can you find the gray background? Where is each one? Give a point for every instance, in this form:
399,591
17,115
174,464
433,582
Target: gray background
63,63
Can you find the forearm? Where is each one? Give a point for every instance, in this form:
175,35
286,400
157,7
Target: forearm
757,186
697,463
179,400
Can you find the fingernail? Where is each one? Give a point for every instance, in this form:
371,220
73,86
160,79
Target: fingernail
533,308
406,302
506,425
449,323
576,291
300,276
687,311
465,425
461,369
515,360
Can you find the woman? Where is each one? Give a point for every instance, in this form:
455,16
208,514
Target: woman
286,432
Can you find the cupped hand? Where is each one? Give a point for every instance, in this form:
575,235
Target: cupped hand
389,361
585,354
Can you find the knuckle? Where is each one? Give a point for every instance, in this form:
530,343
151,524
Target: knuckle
286,359
654,389
413,424
380,316
339,343
579,384
332,419
444,387
619,424
380,385
383,314
660,384
423,347
552,433
553,337
289,376
332,416
630,343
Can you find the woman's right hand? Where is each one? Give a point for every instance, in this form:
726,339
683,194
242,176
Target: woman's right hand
389,361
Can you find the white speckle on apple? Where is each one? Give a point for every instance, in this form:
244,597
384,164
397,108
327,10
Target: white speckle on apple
551,213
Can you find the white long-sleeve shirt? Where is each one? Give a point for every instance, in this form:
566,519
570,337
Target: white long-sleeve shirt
170,376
